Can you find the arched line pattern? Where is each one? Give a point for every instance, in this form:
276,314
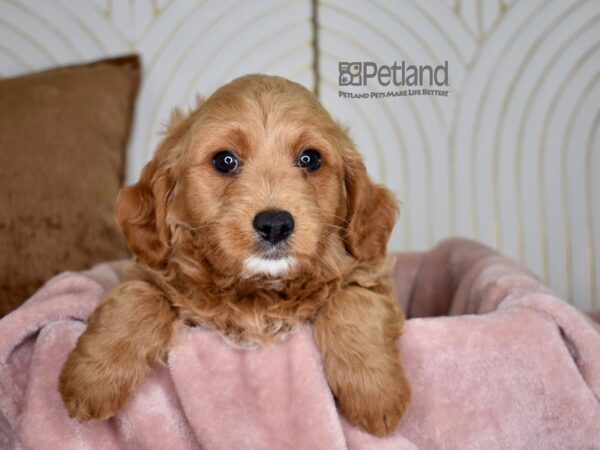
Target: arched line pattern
57,31
418,37
518,154
157,9
285,52
264,68
17,57
106,10
422,134
90,31
100,29
418,6
306,68
28,38
453,126
168,39
475,134
137,40
459,14
564,187
590,210
194,41
108,14
392,43
479,14
193,82
129,40
541,153
565,206
481,27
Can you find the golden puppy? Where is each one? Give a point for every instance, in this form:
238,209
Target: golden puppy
254,216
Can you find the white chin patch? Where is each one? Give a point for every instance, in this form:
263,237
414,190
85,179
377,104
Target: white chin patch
256,265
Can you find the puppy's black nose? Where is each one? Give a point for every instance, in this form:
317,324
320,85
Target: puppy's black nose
274,225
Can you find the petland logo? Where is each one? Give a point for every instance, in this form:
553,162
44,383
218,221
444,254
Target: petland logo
416,80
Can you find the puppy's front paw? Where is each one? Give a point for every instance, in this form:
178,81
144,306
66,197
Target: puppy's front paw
375,401
92,389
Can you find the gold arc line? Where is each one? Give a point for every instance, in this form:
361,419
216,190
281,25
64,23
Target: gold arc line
453,225
460,19
51,26
285,52
31,40
479,20
541,160
590,225
155,7
490,79
107,18
232,36
181,57
455,117
247,50
8,51
174,29
84,26
117,30
518,153
301,69
156,12
563,179
525,22
418,37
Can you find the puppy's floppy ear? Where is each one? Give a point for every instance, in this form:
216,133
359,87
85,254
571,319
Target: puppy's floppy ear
371,209
141,212
141,208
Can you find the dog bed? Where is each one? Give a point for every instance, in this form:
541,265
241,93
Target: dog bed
494,360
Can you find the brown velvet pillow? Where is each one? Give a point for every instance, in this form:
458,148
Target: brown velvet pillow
63,137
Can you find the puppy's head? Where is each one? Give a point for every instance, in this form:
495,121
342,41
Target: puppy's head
257,181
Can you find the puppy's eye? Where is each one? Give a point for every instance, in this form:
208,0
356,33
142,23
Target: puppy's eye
309,159
225,161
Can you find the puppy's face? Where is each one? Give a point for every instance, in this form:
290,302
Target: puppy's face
263,180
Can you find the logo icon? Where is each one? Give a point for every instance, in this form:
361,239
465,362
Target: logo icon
350,74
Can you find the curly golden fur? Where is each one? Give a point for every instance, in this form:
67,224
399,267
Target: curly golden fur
190,229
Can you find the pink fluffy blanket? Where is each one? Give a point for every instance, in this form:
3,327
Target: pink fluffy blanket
495,361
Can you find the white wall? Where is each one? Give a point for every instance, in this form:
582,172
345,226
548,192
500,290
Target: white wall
509,157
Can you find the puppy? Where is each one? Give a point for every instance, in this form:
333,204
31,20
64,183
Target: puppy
254,216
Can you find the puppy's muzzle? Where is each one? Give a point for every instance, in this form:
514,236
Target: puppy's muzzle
273,226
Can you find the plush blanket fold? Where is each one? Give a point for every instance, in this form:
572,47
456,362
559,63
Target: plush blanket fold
494,359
